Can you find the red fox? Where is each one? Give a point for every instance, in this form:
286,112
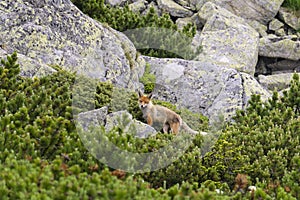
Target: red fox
161,117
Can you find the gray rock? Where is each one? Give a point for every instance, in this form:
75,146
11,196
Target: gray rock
276,82
92,118
152,4
200,86
116,2
143,130
280,32
30,67
193,5
259,27
289,17
284,65
227,40
57,33
173,8
260,10
196,42
275,25
197,3
181,22
251,86
287,47
121,119
124,120
138,6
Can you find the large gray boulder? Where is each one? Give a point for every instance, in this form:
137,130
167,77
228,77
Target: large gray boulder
57,33
194,5
116,2
121,119
287,47
173,8
227,40
211,89
276,82
92,118
260,10
290,18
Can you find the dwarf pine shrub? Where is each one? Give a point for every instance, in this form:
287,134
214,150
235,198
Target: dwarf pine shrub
262,143
168,40
43,157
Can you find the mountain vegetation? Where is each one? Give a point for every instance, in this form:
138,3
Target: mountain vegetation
142,29
256,156
43,156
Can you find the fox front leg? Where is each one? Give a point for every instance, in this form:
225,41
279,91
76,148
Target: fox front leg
166,128
149,120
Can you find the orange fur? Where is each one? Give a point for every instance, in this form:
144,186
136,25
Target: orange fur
155,114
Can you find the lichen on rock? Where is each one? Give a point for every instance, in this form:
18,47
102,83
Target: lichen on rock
57,33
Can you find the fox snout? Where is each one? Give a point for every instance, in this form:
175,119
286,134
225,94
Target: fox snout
143,105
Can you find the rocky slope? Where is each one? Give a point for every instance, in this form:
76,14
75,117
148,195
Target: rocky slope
238,42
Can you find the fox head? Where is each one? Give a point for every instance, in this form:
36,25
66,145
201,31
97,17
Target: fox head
144,100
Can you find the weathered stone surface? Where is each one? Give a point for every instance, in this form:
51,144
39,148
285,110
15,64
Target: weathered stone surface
121,119
260,10
173,8
181,22
92,118
143,130
57,33
153,5
115,2
280,32
290,18
124,120
275,24
251,86
276,82
194,5
200,86
260,28
287,47
30,67
138,6
227,40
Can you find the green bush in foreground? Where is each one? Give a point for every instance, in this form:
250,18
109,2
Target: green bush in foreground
42,155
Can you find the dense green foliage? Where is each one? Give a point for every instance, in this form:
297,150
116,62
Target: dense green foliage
162,40
43,157
148,79
293,4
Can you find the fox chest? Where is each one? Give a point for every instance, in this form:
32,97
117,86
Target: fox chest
155,116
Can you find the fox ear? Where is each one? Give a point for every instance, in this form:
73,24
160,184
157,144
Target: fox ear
150,95
140,93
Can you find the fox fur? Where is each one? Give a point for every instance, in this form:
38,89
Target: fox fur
161,117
